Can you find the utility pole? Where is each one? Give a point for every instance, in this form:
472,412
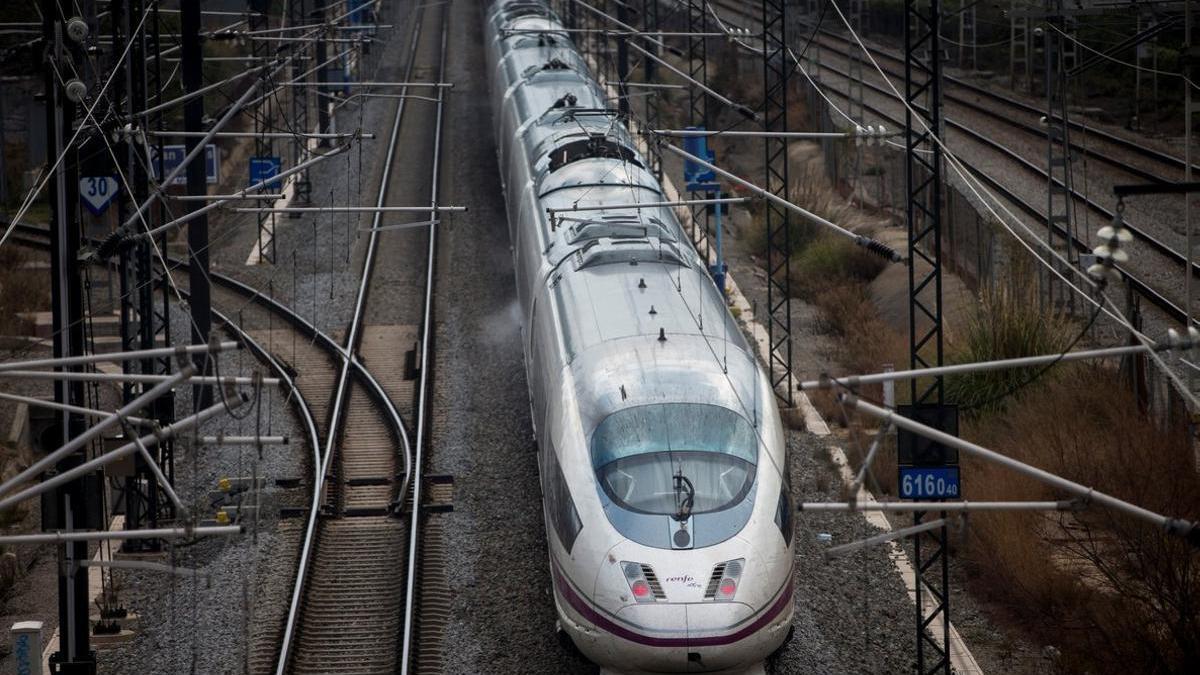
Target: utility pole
322,75
141,324
698,107
623,64
649,68
923,179
197,234
1190,56
300,95
264,149
69,508
777,66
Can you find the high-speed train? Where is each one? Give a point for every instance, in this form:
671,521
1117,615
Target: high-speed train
662,457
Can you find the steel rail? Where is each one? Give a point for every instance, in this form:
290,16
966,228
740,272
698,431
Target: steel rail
349,361
1164,158
1141,235
414,542
1145,237
1141,288
374,389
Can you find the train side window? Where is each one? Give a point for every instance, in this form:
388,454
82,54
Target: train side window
783,513
559,505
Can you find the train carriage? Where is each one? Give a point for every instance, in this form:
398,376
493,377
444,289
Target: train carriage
662,457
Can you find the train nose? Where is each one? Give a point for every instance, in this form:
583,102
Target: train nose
689,637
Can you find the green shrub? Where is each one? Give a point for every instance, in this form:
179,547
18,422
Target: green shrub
1008,323
829,260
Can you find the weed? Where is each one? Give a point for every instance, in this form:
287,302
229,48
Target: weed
832,260
1008,323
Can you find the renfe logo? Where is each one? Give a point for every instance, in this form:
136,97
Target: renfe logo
685,579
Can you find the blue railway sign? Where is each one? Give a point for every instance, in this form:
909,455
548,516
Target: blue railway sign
929,482
262,168
173,156
97,192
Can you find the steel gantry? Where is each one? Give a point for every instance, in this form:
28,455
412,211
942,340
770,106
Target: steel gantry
1060,231
144,299
697,53
649,73
302,187
776,68
923,179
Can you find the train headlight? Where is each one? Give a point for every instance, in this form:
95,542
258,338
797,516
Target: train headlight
723,583
643,584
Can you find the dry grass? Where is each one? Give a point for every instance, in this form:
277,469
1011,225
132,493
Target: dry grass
1121,596
811,190
20,290
1008,323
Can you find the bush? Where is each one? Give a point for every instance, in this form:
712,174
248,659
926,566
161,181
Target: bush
832,260
1118,593
1008,323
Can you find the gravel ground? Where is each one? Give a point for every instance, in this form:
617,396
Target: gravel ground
503,613
852,613
207,626
202,625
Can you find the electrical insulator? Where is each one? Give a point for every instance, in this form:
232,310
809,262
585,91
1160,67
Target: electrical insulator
76,90
77,29
1109,252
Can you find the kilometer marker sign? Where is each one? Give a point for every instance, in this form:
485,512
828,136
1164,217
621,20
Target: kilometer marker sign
97,192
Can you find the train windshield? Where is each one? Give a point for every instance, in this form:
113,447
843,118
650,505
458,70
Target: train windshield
675,458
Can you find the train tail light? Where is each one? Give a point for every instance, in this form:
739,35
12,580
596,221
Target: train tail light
643,584
723,583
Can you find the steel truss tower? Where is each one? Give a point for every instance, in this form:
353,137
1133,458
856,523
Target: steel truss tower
263,147
1059,225
923,179
776,69
649,72
299,97
144,323
697,24
68,507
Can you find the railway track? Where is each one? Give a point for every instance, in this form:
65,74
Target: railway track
356,604
351,616
1149,243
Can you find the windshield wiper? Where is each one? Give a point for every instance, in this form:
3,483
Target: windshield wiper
684,505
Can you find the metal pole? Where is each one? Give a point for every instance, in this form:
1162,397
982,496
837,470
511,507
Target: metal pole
117,357
197,234
875,246
83,537
86,412
78,442
74,655
850,381
1173,526
80,470
322,73
916,529
893,507
622,64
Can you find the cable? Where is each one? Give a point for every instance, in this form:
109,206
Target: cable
1120,62
959,168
